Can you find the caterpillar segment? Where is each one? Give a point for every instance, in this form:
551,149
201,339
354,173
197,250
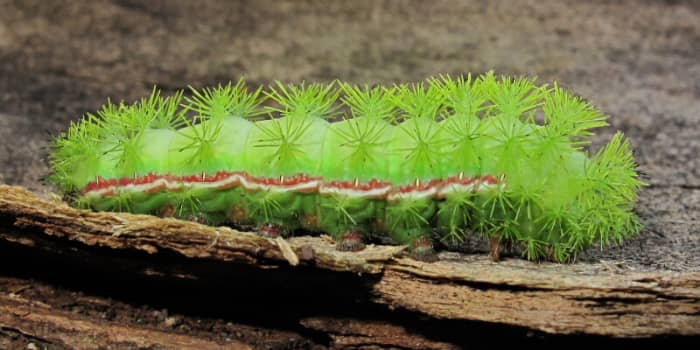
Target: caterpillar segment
423,164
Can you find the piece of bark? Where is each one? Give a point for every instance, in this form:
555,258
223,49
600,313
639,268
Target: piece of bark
150,234
35,313
59,329
554,298
353,334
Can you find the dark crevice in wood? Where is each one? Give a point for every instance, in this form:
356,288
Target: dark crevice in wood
482,286
275,298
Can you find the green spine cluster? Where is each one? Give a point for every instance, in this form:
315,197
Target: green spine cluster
554,202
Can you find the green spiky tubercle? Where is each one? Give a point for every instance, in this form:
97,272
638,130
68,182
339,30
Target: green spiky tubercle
555,200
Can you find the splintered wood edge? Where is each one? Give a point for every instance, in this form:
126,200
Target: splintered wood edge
151,234
555,298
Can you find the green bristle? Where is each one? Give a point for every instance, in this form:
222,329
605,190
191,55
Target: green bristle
357,147
409,220
166,112
609,193
613,171
76,157
463,96
371,103
307,101
124,127
570,117
226,101
418,143
462,126
417,101
454,217
512,97
212,142
163,117
291,144
511,132
194,148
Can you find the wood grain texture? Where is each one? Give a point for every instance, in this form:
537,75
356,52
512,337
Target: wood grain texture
50,325
554,298
60,330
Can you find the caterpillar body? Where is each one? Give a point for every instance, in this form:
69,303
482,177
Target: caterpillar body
416,163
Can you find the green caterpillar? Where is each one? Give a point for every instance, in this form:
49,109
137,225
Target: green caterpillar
416,164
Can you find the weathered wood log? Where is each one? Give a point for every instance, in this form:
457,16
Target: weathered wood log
554,298
27,321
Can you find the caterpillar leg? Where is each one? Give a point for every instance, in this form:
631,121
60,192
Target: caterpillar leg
408,222
238,214
420,245
274,214
346,219
166,211
200,219
422,249
270,230
495,248
350,241
171,211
